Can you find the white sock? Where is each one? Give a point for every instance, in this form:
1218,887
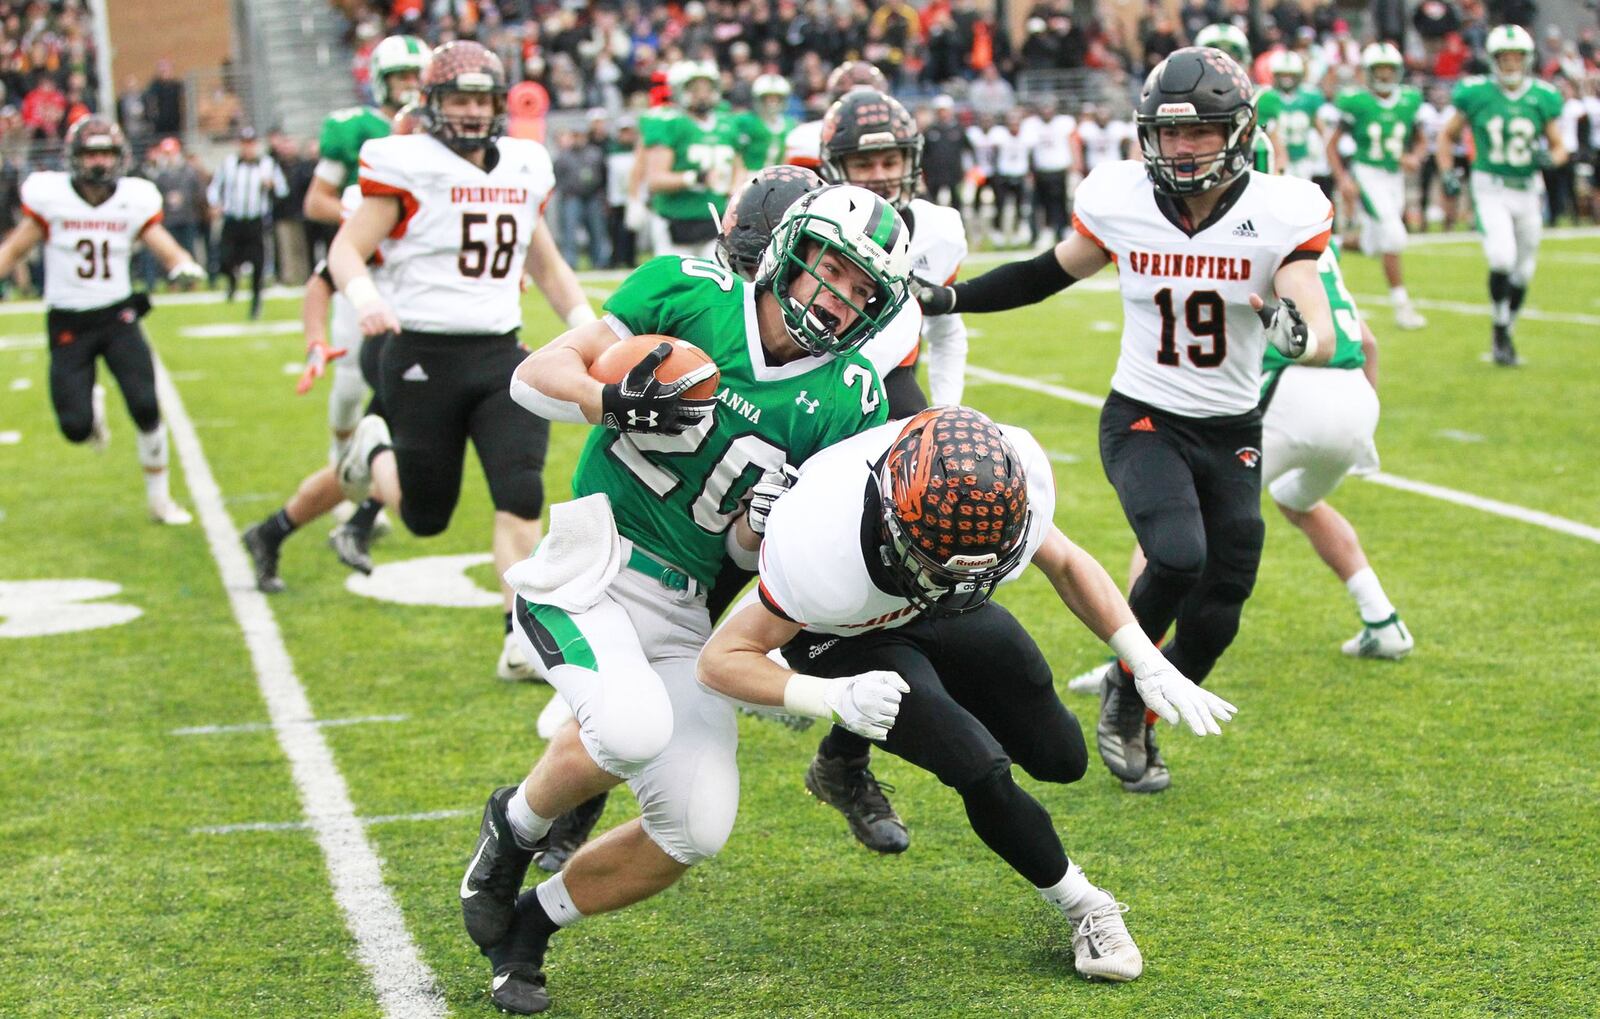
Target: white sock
1398,296
153,457
527,826
1502,313
1373,604
557,901
1073,894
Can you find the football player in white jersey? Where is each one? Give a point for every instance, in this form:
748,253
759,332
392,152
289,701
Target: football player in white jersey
88,219
459,211
804,146
1198,237
877,569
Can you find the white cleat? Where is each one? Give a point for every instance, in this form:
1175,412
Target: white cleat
1389,639
514,666
1407,317
1089,682
1102,948
99,429
355,467
170,513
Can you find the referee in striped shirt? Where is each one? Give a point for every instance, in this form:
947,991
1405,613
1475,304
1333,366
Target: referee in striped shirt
242,193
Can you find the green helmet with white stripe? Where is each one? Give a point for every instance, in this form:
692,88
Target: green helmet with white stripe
1510,39
1230,39
839,220
394,54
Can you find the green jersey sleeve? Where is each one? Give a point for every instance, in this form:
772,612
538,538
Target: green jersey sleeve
345,131
1269,107
665,294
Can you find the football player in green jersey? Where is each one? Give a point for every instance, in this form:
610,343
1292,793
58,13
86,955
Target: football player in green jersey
1508,115
396,66
1289,109
691,159
612,605
1267,145
765,129
1382,120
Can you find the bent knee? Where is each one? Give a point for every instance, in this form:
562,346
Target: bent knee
629,739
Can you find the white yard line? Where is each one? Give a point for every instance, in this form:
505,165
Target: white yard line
236,829
324,723
404,984
1508,510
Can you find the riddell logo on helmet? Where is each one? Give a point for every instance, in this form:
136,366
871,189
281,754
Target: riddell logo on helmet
1176,110
971,562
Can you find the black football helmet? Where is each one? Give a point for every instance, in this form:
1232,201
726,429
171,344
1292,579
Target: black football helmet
853,74
870,120
1196,85
463,66
754,213
954,513
96,134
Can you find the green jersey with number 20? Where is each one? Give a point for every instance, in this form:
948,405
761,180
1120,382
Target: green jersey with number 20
674,495
706,146
1506,129
1381,128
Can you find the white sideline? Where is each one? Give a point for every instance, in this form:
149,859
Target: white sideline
404,984
1501,509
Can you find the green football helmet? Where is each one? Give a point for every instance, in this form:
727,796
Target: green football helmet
397,53
1227,38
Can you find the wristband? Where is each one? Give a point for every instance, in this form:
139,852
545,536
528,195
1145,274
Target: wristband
362,293
804,696
581,315
1310,352
1134,648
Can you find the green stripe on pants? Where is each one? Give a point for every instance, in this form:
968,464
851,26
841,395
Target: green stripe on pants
575,649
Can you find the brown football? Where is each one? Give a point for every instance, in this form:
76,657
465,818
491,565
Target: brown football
620,357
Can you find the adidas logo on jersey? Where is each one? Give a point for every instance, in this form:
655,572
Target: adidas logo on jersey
1245,229
415,374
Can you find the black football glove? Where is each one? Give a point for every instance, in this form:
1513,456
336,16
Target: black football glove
1286,328
934,299
643,403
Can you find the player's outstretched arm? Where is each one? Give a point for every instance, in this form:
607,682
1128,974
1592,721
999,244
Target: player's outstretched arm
352,246
1444,150
1016,284
174,257
1088,590
555,278
554,382
734,663
1300,282
22,239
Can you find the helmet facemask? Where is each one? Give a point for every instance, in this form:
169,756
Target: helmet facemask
467,133
1195,173
1513,79
1383,86
817,329
96,136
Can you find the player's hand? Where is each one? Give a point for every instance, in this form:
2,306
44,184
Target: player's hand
186,274
766,492
318,354
1170,694
934,299
1286,327
643,403
1450,183
866,704
376,318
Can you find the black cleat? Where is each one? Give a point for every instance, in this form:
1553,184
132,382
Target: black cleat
518,988
569,832
848,786
493,878
1505,352
1156,777
351,545
264,557
1121,731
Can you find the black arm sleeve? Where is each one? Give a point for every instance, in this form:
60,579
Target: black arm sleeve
1013,285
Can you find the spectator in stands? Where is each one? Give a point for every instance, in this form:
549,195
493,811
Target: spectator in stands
620,156
163,101
580,169
944,148
288,214
1514,12
14,145
219,114
991,94
946,57
183,195
1196,15
1159,38
1435,20
131,113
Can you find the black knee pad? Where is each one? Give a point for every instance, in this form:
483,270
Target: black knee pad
519,492
146,414
1062,761
423,520
75,427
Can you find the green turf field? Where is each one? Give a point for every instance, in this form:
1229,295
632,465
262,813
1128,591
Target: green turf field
1366,839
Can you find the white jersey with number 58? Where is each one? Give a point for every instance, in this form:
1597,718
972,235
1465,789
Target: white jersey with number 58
87,247
1191,343
455,259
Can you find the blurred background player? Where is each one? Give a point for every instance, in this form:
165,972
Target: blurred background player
804,144
691,159
88,219
1289,110
1382,121
1230,39
458,209
1508,114
765,129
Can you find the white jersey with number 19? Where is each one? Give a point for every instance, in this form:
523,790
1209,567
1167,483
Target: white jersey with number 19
87,247
1191,343
455,259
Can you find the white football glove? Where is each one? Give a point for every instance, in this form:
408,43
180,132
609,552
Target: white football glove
866,704
187,272
1170,694
766,492
1286,328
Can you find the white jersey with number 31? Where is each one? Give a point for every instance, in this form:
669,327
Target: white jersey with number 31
87,247
1191,343
455,259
